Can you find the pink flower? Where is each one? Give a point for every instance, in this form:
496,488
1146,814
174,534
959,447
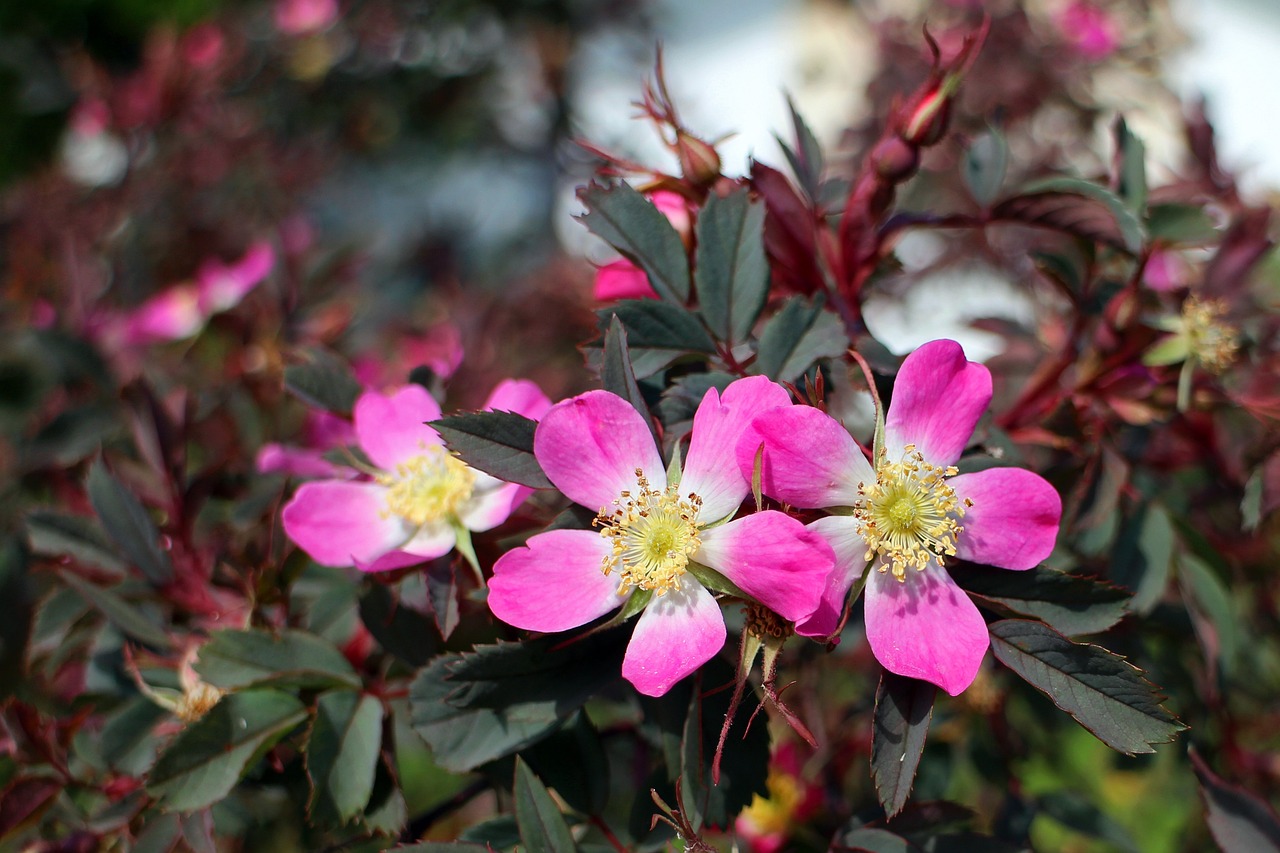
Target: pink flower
323,432
909,513
1089,29
419,499
305,17
623,279
655,534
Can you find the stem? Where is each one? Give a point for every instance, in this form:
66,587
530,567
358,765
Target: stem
599,824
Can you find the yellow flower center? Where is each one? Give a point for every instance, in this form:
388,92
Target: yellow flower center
1210,340
652,535
429,487
908,515
774,814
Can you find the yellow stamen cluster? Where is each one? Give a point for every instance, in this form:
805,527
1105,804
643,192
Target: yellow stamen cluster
1211,341
908,515
430,487
652,535
197,701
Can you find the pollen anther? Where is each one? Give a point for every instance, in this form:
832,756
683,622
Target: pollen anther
651,534
430,487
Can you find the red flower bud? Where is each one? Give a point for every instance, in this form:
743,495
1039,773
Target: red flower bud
929,119
699,161
894,160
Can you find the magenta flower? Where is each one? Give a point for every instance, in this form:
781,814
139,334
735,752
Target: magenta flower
654,534
910,513
1089,29
419,501
304,17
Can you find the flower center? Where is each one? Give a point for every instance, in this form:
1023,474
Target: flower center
429,487
652,535
908,516
1212,341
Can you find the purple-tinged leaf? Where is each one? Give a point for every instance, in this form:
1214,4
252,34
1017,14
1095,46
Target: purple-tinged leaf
617,374
497,443
1241,822
324,381
903,711
1070,604
631,224
128,524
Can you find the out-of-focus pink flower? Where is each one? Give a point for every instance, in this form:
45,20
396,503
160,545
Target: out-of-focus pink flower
623,279
1166,270
305,17
89,117
222,286
1089,29
676,209
322,432
440,349
296,235
202,45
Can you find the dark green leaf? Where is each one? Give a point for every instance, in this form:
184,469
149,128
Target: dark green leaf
631,224
159,835
442,847
498,833
442,591
985,164
203,763
1131,167
1212,602
1075,812
498,443
903,711
797,336
805,157
868,839
400,629
542,827
324,381
387,812
682,397
617,375
573,761
56,534
1143,558
1103,692
1180,224
71,436
342,754
1241,822
1070,604
128,524
128,739
658,333
732,274
234,660
15,628
1077,207
125,616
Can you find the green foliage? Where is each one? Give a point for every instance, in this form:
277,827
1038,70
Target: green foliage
128,524
732,275
903,711
235,660
1070,604
797,336
342,754
631,224
323,381
542,827
498,443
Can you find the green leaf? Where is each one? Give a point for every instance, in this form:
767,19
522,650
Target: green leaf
732,273
56,534
985,164
903,711
1180,224
573,761
1077,207
23,801
874,840
128,740
1102,691
497,443
1143,559
128,524
797,336
324,381
443,847
203,763
631,224
805,157
658,333
128,618
1070,604
234,660
1131,169
441,580
617,375
1212,602
402,630
1240,821
542,827
15,628
342,754
1076,813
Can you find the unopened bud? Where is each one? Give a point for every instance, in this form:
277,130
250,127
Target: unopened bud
894,159
699,161
929,119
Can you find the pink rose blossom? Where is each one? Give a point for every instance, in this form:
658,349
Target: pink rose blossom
909,513
599,452
1089,29
420,498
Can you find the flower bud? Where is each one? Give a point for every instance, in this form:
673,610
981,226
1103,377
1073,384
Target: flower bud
894,159
699,161
929,119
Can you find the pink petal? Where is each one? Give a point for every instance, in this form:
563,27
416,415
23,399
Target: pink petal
622,280
520,396
711,469
554,582
773,558
391,560
841,533
937,400
491,503
392,428
590,447
678,632
925,627
223,287
433,539
296,462
302,17
1013,522
675,208
810,460
170,315
339,523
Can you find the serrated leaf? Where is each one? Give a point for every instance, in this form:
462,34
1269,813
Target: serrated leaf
732,274
325,381
128,740
658,333
387,813
903,711
1180,224
1070,604
56,534
1077,207
206,759
400,629
542,827
234,660
618,376
128,524
497,443
1240,821
797,336
985,164
631,224
342,754
1102,691
128,618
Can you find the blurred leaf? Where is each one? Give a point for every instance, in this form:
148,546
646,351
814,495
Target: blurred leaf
128,524
1178,224
442,847
24,800
1067,272
56,534
789,233
1143,557
1103,692
325,382
617,375
125,616
159,835
234,660
631,224
797,336
1251,503
497,443
1076,207
387,813
683,396
72,435
498,833
1070,604
903,711
342,754
985,164
400,629
1210,598
732,274
197,831
542,827
658,333
1240,821
805,157
572,760
1076,813
15,628
867,839
1131,167
206,759
128,740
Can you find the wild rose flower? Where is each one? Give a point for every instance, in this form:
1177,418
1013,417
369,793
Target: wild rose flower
419,499
623,279
1089,29
909,513
599,452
